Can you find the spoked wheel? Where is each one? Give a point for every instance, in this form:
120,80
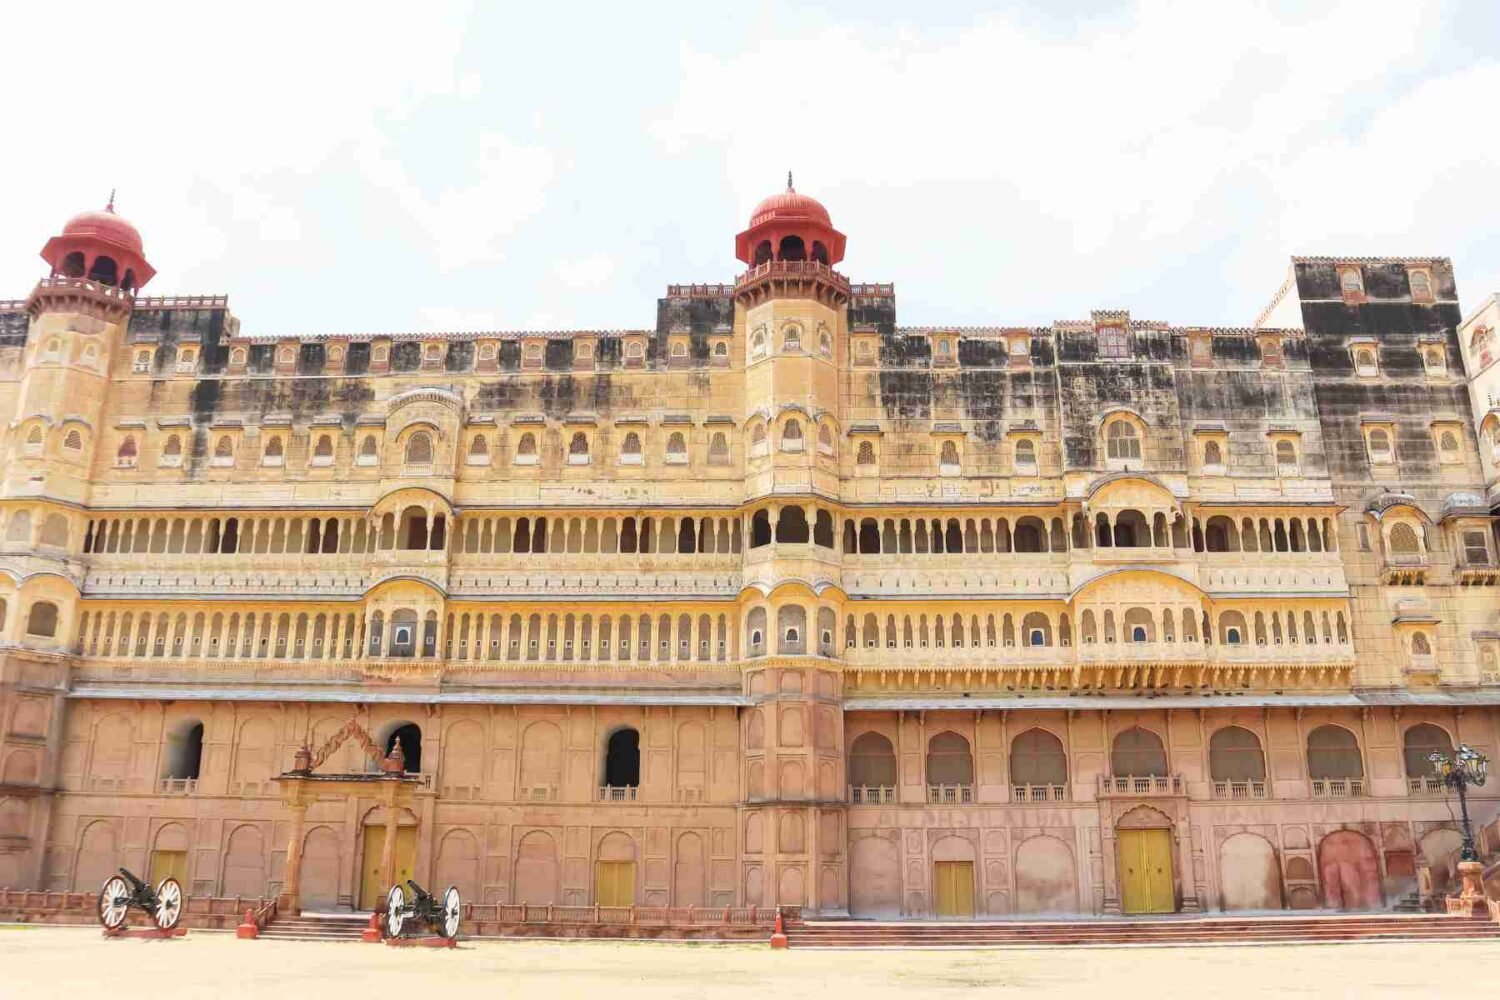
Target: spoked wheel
168,904
452,909
113,903
395,911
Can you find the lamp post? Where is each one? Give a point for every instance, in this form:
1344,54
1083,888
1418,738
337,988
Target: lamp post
1467,767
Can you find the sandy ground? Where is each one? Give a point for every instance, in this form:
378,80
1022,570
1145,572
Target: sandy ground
76,962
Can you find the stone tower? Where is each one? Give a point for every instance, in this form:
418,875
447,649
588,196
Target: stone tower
791,314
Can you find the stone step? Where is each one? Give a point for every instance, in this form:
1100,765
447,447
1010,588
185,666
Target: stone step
851,934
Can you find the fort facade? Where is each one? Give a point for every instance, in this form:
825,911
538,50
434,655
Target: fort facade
778,602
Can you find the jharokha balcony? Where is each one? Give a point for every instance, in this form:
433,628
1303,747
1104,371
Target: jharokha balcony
1111,785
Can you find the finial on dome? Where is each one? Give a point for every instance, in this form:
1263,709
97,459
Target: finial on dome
111,206
789,188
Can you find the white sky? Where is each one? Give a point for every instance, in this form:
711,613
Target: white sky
368,167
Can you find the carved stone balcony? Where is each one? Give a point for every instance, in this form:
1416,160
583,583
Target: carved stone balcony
1406,569
792,279
1338,788
1236,790
1138,786
950,795
76,293
1039,793
872,795
1477,572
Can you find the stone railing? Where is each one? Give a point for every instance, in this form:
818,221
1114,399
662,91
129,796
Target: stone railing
38,907
872,795
617,793
1426,785
1039,793
948,795
1094,653
1147,784
554,920
1338,788
1241,789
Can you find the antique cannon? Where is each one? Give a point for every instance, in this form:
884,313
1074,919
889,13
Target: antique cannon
440,915
121,892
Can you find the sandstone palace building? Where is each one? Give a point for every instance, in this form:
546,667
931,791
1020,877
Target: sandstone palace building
777,602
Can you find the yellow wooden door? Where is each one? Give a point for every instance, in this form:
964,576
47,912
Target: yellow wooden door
953,882
1146,883
373,883
614,883
168,863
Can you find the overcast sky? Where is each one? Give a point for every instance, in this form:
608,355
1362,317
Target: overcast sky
363,168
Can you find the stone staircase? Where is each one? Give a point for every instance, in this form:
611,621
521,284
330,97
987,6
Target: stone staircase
316,927
1273,929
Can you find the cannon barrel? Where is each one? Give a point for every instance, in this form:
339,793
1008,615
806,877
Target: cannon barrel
416,888
130,877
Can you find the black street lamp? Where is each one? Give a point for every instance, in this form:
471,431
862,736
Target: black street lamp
1467,767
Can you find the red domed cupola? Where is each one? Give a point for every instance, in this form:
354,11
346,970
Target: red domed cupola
101,247
790,226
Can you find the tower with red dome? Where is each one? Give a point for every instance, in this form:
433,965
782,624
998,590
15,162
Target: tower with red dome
791,316
79,313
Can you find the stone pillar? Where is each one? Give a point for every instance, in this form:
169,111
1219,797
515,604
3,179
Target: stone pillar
388,850
291,885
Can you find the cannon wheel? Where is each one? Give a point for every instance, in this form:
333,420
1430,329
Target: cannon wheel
452,911
168,909
395,911
113,905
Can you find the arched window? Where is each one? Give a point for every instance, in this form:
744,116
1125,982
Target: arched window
73,441
34,440
622,760
1420,644
1380,445
42,620
718,449
1026,456
1234,754
526,449
758,443
1404,539
410,738
791,436
274,453
1213,455
419,449
323,451
1421,285
1448,445
866,453
948,457
1121,440
825,344
872,763
1139,626
171,452
1138,753
479,450
630,450
1037,759
825,439
578,449
1366,362
792,248
676,449
1286,458
1419,743
758,344
224,451
184,756
949,762
1349,281
369,451
1333,753
791,340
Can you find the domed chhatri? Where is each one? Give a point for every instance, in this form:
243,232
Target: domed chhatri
792,227
102,247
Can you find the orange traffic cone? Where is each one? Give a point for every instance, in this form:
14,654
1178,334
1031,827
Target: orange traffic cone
247,931
778,934
371,934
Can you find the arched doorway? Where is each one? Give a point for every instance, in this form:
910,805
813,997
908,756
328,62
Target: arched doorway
1147,880
1249,877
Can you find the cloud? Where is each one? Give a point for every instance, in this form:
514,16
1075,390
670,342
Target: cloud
583,273
1007,173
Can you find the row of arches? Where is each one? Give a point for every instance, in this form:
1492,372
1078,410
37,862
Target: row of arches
412,528
1223,533
1038,759
1137,624
603,535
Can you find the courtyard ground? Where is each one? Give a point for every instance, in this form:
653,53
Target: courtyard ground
49,962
